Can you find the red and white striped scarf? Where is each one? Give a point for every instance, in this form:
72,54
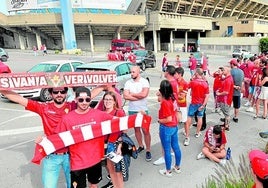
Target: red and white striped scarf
61,140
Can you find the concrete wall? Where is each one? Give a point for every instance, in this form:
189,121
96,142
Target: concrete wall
173,21
225,45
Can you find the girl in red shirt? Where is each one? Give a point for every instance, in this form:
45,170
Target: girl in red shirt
168,129
111,107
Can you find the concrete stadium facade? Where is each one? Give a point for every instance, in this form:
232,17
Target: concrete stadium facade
161,25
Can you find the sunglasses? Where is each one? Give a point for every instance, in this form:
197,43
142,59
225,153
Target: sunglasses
82,99
61,92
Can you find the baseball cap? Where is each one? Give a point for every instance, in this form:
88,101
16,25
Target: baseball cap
259,163
233,62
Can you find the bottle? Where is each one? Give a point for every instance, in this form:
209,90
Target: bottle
228,153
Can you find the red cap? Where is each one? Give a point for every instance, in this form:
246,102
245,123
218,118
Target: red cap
233,62
259,163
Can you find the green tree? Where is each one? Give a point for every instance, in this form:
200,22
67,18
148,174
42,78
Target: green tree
264,45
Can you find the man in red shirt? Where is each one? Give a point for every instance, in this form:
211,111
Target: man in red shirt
225,96
200,94
50,113
85,157
192,64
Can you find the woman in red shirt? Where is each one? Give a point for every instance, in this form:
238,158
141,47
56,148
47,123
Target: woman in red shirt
168,129
111,107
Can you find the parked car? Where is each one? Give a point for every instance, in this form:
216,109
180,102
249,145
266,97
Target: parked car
241,53
3,55
125,45
4,68
42,94
122,69
145,58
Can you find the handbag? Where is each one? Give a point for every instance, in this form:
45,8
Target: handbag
128,146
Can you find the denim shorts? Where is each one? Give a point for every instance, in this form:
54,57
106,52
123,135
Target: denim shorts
193,108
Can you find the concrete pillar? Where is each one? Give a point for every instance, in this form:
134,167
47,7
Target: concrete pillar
22,42
186,41
171,42
159,42
141,39
68,24
155,41
38,40
91,41
63,41
118,35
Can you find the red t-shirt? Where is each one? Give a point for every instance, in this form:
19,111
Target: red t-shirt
209,138
199,90
114,136
193,63
49,113
205,64
88,153
168,108
256,75
217,82
182,88
227,86
174,85
164,62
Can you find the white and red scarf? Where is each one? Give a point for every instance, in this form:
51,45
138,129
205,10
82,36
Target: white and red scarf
61,140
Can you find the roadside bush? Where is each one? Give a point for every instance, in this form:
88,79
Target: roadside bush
57,51
264,45
231,175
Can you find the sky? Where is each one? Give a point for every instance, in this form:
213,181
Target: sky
3,7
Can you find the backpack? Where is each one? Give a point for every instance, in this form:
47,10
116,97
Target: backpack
128,146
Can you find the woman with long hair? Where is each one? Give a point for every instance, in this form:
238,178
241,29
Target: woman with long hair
263,94
111,107
168,129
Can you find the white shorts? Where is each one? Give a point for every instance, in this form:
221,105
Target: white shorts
183,111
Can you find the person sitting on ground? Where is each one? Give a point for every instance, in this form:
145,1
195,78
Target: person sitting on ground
259,164
214,145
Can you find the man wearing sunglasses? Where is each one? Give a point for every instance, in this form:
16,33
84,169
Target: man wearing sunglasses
85,157
51,114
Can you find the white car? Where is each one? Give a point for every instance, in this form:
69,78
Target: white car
48,66
241,53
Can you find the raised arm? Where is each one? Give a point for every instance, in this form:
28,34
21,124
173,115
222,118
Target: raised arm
11,95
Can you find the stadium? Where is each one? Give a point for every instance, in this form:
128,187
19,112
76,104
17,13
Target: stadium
161,25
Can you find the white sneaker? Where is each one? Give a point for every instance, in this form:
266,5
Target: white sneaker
200,156
165,173
247,103
159,161
222,162
177,170
249,109
183,133
197,135
186,141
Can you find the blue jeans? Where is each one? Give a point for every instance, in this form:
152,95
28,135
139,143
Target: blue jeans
51,170
170,139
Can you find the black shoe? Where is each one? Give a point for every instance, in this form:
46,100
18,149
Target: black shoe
108,185
195,124
203,128
263,134
140,149
108,177
235,119
222,119
148,156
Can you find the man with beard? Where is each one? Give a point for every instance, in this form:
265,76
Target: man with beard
51,114
136,91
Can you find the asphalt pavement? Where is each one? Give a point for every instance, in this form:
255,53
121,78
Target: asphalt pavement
18,128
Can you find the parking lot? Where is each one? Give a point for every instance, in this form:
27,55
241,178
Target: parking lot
18,129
